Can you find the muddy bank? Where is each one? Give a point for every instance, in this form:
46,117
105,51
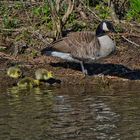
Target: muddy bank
123,65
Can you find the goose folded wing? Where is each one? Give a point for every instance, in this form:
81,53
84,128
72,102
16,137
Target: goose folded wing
81,45
84,45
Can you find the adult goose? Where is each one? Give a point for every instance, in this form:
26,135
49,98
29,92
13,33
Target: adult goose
83,47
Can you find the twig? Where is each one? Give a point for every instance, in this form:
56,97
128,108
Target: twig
40,37
29,19
95,15
55,18
123,4
134,26
57,5
128,34
68,12
16,30
130,41
112,12
7,56
17,59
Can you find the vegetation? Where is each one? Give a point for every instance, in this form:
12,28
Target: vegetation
27,26
134,11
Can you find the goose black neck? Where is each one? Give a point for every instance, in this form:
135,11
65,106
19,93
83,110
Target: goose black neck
100,31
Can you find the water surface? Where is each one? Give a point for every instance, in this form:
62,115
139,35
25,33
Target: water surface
70,113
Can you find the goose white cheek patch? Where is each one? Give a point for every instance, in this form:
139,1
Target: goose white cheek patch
105,27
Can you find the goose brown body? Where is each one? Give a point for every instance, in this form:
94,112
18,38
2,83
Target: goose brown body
81,45
84,46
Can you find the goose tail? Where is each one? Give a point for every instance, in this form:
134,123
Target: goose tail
46,51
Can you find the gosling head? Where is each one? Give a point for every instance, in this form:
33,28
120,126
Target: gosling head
43,74
14,72
104,27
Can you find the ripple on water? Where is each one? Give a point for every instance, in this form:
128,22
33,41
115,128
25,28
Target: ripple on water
69,113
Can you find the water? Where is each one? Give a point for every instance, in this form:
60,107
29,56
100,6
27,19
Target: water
72,113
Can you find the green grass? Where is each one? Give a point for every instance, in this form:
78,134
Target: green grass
134,12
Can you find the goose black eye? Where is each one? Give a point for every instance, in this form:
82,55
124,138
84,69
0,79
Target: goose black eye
110,27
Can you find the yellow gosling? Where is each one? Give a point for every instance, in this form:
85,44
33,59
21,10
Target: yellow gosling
14,72
43,74
28,82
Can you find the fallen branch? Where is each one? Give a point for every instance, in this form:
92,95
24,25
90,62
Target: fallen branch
7,56
57,25
133,26
68,12
112,12
126,34
82,13
95,15
22,60
40,37
17,30
58,5
123,35
130,41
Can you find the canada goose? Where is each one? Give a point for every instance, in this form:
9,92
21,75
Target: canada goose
14,72
28,82
43,74
84,47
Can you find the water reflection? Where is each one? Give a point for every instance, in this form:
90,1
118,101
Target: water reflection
70,113
86,117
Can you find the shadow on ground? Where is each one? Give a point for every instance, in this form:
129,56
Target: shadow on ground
106,69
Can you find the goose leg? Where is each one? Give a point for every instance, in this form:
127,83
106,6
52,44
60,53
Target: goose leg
83,69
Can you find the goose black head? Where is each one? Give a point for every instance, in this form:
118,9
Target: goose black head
104,27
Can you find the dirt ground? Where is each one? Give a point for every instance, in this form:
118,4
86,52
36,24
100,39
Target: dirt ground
123,65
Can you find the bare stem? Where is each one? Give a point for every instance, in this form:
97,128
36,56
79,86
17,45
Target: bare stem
130,41
68,12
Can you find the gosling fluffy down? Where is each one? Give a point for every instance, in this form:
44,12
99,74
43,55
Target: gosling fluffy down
14,72
43,74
